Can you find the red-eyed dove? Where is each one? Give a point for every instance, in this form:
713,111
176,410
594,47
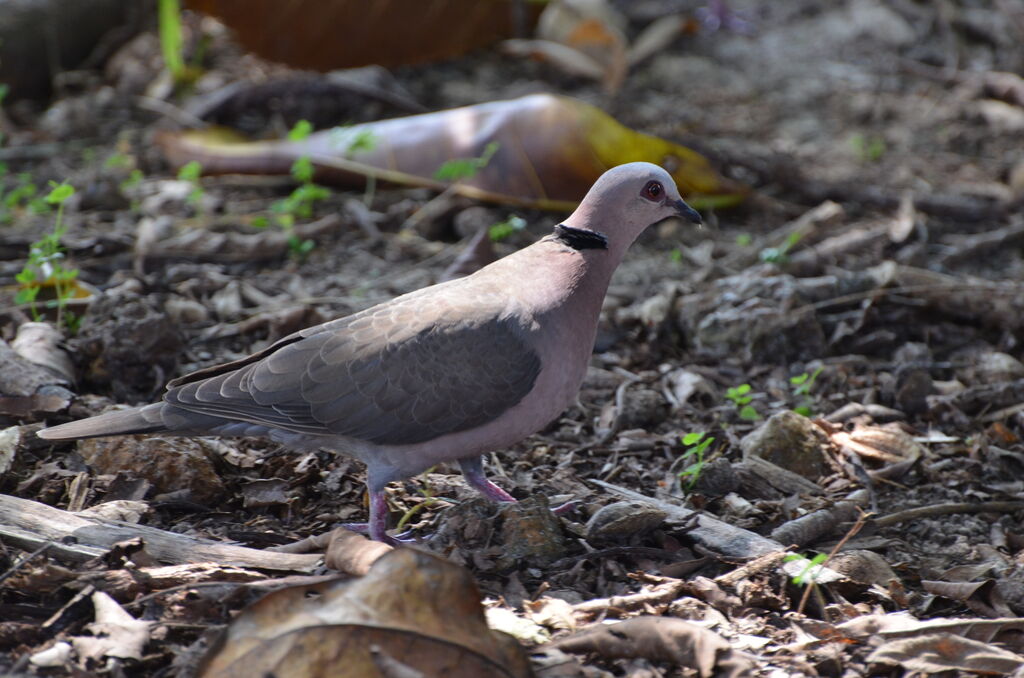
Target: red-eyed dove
442,374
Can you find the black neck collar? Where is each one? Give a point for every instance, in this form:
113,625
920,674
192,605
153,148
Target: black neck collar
580,239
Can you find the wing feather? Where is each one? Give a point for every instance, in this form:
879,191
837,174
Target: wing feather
386,376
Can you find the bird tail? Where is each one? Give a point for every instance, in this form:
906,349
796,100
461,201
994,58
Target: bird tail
146,419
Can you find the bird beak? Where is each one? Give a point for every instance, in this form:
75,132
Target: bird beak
687,212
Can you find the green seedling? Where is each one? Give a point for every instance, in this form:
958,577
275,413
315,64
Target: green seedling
190,172
868,148
117,161
45,264
170,38
780,255
133,180
802,385
23,195
503,229
740,397
299,203
696,445
429,500
676,256
301,130
466,168
806,576
351,141
744,240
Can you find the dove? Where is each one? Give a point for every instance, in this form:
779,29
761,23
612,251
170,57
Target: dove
446,373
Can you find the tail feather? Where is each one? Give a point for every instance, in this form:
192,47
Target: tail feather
146,419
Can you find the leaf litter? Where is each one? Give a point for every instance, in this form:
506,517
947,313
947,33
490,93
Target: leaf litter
893,276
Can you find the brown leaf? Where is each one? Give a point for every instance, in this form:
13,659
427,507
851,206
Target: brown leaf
982,597
352,553
550,150
886,444
346,33
117,633
412,614
662,639
944,652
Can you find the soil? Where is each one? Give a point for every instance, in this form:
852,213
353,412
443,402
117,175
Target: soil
906,115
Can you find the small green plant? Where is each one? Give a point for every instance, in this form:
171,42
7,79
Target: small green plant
301,130
429,500
116,161
190,172
868,148
299,203
806,576
45,264
170,38
133,180
466,168
503,229
676,256
780,255
744,240
740,397
802,385
350,141
696,445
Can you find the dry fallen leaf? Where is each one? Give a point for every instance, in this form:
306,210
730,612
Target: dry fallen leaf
662,639
116,633
412,614
587,38
946,652
549,151
345,33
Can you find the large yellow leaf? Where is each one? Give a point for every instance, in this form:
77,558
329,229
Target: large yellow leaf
550,150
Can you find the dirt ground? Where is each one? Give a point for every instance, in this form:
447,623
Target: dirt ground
888,136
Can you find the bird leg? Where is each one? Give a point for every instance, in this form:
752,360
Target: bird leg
377,525
473,472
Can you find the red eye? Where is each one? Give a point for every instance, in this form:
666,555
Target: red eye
653,190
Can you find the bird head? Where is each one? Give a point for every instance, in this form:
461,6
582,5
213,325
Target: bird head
627,199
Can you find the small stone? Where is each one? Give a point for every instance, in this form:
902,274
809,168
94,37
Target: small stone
864,567
623,519
531,534
995,367
170,464
789,441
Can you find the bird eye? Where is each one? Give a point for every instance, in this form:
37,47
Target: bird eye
653,190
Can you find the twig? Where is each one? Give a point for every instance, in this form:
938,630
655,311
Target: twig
947,509
857,526
24,560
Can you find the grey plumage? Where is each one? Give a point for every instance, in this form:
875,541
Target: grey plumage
441,374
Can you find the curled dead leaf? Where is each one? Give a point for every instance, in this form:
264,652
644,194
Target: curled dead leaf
944,652
883,444
412,612
662,639
549,151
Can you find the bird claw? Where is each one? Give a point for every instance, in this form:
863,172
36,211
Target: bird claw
567,507
396,540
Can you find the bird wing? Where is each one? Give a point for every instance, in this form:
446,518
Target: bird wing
391,375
